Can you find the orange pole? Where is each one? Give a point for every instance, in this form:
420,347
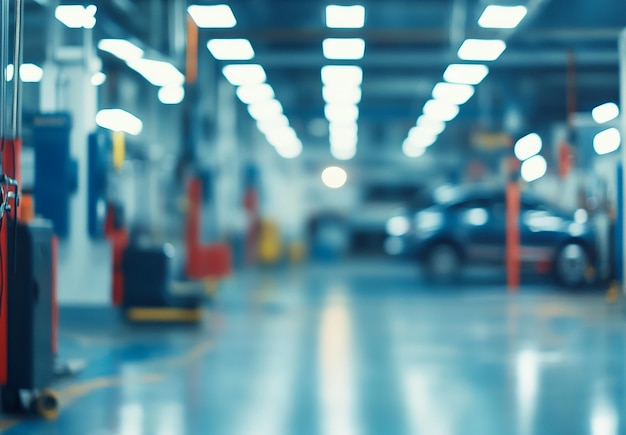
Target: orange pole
191,64
512,236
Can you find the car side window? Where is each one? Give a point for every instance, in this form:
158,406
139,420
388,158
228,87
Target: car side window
532,206
469,204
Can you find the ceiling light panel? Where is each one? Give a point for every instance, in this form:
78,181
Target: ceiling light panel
605,112
502,17
240,75
265,110
342,75
250,94
119,120
345,17
454,93
121,48
340,113
434,125
157,72
481,49
212,16
231,49
343,48
76,16
440,110
341,94
465,74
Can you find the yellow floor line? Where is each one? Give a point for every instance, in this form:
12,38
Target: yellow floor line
8,424
70,393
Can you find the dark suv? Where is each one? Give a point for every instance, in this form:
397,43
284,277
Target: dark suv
469,226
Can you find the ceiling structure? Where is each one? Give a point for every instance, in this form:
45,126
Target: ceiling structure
562,58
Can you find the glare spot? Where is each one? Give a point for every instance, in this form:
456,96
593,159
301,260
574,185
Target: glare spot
476,216
397,226
334,177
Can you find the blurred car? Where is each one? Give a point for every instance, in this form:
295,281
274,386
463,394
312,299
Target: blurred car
469,226
366,223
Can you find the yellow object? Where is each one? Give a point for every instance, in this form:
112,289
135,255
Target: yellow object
211,285
296,252
119,149
164,314
269,242
612,293
47,404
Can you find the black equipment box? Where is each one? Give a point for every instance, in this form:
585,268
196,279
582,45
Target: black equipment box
30,305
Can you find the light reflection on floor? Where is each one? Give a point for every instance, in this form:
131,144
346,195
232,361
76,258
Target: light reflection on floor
363,349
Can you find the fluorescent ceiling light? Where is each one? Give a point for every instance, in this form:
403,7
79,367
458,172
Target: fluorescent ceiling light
440,110
605,112
534,168
171,94
341,113
290,150
433,125
270,124
119,120
502,17
334,177
343,48
351,128
345,17
607,141
346,153
528,146
481,49
342,75
465,74
250,94
420,136
158,72
343,141
230,49
9,71
30,73
76,16
121,48
412,150
341,94
240,75
280,136
98,79
265,110
214,16
454,93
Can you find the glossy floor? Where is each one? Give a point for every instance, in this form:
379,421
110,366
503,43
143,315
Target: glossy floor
360,349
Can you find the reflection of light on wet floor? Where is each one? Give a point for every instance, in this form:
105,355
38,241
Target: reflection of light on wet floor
604,418
269,403
527,372
170,419
336,370
131,419
423,413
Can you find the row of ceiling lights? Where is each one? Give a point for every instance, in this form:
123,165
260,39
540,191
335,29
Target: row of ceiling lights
460,79
341,84
250,79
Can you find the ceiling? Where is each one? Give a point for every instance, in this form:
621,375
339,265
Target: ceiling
562,58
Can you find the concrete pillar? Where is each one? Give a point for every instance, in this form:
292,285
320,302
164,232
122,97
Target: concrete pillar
84,264
227,166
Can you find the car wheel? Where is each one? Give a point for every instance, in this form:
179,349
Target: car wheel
443,262
571,265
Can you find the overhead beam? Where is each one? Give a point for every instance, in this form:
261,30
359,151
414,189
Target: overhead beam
414,59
